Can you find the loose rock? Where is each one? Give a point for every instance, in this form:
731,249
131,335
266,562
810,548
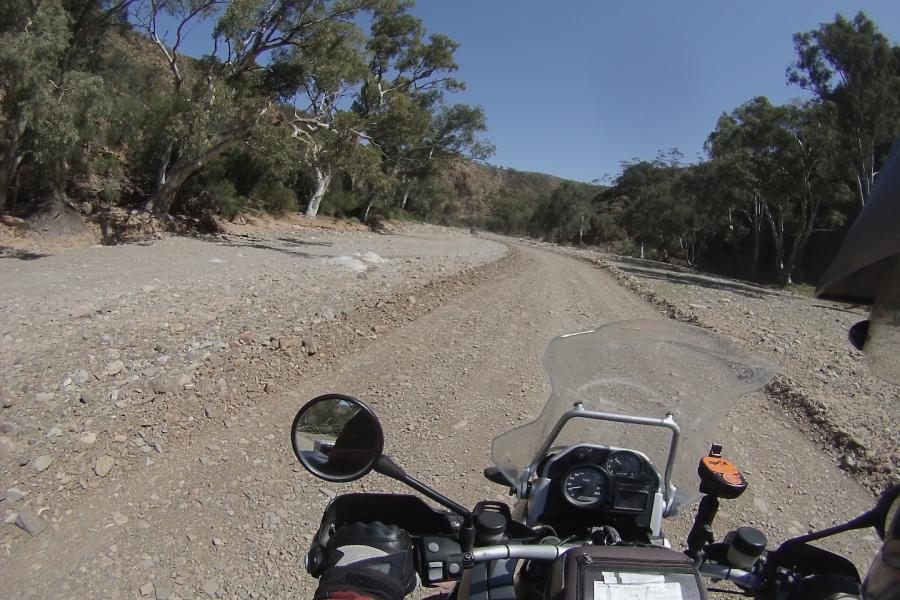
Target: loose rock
311,345
31,522
14,494
210,588
42,462
103,465
81,376
164,384
115,367
81,311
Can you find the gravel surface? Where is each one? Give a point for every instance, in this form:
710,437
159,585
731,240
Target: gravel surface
195,493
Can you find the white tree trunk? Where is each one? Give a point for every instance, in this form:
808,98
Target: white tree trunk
323,180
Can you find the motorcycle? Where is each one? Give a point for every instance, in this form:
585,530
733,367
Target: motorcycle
594,477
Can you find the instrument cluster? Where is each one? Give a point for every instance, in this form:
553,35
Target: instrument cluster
603,479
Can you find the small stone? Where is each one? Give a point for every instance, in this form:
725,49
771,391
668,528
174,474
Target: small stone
178,327
8,428
115,367
81,376
217,542
31,522
88,438
182,380
45,396
163,593
54,432
459,425
330,493
214,412
7,447
286,343
42,462
311,345
103,465
118,518
247,337
81,311
146,589
14,494
87,397
164,384
210,588
411,300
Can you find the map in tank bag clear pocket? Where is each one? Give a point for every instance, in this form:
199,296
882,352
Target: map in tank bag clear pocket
635,586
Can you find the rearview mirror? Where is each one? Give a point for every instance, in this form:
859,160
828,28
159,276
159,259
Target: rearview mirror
337,437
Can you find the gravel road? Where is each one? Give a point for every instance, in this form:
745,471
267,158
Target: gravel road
221,508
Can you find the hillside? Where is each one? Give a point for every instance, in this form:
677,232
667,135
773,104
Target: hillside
476,185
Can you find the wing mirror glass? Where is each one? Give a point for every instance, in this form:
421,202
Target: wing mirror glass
337,437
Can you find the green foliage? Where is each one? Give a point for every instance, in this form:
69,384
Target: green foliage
850,65
342,203
274,197
512,215
564,216
222,197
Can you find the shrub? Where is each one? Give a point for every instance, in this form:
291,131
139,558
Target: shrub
224,199
342,204
274,197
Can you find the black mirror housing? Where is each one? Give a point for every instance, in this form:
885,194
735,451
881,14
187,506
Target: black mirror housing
337,437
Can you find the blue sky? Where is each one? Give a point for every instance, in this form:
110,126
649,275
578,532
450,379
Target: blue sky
574,87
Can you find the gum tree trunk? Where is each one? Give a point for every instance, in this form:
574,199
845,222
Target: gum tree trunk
323,180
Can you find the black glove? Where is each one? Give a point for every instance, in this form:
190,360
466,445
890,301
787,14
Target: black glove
369,558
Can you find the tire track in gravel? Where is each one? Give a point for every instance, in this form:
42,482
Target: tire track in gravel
230,515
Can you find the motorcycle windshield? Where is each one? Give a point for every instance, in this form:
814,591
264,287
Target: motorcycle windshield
644,368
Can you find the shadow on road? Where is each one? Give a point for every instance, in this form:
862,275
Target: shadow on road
6,252
244,241
683,277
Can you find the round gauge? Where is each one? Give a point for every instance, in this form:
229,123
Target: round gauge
585,486
624,464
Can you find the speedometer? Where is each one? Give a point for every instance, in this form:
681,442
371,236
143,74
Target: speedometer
585,486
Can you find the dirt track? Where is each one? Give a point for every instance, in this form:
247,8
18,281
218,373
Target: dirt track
227,512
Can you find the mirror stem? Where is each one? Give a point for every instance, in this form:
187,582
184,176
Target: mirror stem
860,522
387,467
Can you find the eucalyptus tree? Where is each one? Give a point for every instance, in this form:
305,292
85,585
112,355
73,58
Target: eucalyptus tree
49,90
216,102
402,100
745,146
319,79
787,160
852,66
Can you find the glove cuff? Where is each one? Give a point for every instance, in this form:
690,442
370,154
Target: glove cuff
364,581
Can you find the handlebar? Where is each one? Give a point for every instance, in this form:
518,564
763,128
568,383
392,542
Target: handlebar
741,578
521,551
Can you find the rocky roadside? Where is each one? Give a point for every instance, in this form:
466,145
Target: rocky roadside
824,382
113,356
